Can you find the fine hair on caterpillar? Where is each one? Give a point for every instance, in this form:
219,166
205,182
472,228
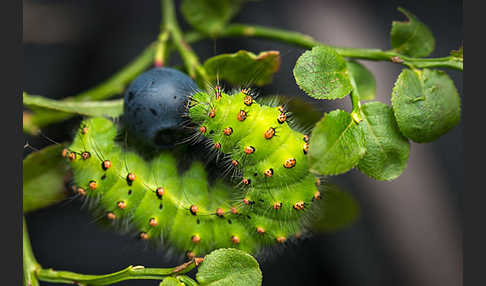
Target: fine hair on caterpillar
259,70
228,166
218,112
195,137
148,196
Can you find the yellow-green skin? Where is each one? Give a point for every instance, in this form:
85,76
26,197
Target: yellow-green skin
287,187
226,216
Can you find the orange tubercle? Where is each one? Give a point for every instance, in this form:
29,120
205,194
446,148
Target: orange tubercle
269,133
106,164
212,113
72,156
110,216
249,150
196,239
235,239
289,163
219,212
93,185
268,172
153,222
121,204
131,177
299,205
194,209
241,115
228,131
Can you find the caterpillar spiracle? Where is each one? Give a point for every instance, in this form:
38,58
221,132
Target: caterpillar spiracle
183,211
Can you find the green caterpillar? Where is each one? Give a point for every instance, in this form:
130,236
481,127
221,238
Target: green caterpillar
185,211
269,155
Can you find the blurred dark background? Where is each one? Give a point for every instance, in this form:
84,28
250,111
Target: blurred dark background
410,229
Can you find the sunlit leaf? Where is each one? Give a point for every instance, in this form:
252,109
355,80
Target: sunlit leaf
228,266
336,145
244,68
387,149
322,73
426,104
411,38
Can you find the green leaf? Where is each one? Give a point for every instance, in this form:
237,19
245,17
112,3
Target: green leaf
426,104
243,67
322,73
336,145
171,281
108,108
43,174
210,16
387,149
228,266
411,38
362,80
339,209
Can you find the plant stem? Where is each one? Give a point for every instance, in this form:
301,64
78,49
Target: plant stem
305,41
187,280
117,82
355,101
161,51
30,264
110,108
129,273
191,61
33,272
356,112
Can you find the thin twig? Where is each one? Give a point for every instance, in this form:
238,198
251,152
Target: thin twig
129,273
305,41
117,83
191,61
30,264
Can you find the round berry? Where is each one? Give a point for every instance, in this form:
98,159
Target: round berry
154,105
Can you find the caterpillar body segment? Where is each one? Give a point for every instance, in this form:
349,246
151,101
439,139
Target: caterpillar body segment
185,212
269,156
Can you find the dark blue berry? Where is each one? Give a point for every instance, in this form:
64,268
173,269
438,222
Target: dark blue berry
154,105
